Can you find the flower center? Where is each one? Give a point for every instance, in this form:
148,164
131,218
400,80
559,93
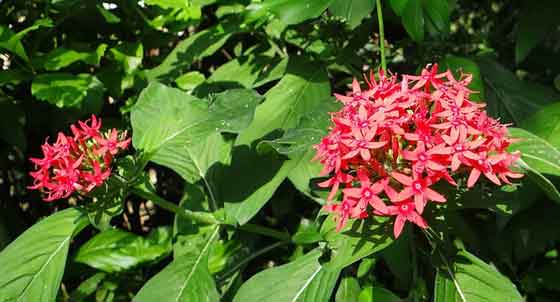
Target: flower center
417,186
422,157
458,148
404,207
362,144
345,207
367,193
364,124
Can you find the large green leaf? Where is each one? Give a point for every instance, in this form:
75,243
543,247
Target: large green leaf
536,152
303,280
249,72
297,143
116,250
358,239
398,6
545,123
377,294
476,281
67,90
534,25
413,19
353,11
186,279
304,87
348,290
196,47
508,97
248,182
291,11
438,13
173,127
33,264
63,57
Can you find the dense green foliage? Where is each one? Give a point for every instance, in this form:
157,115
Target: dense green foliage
216,199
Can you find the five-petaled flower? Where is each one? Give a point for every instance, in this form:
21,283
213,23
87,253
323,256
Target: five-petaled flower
77,163
395,140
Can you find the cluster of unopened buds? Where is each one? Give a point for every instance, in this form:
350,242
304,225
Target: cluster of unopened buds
391,143
77,163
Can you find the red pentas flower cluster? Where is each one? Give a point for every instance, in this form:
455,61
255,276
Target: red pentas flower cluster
393,141
77,163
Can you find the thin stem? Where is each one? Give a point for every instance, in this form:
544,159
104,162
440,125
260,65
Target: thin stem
381,35
450,272
201,217
272,233
213,203
246,260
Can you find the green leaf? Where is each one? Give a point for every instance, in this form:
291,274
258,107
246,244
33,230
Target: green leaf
303,280
128,55
63,57
534,25
291,11
304,87
357,240
87,287
33,264
477,281
242,193
348,290
542,181
307,233
67,90
107,15
536,152
353,11
250,72
438,12
398,6
508,97
545,123
444,288
115,250
190,80
196,47
377,294
460,65
170,125
413,20
186,279
12,41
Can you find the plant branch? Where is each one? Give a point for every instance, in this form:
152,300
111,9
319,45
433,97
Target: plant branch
257,229
381,35
201,217
246,260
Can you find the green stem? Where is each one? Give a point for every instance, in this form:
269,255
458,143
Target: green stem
381,35
260,230
246,260
205,218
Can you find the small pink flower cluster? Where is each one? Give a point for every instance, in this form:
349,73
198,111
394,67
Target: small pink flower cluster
77,163
400,138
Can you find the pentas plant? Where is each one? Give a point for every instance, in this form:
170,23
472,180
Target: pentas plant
77,163
392,142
